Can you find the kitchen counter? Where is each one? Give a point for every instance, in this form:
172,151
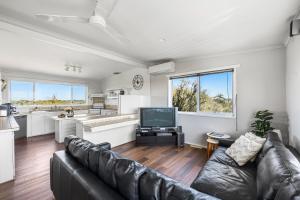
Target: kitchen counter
109,122
8,124
117,130
71,118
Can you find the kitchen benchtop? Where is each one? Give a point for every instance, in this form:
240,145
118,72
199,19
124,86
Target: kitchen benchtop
71,118
110,122
8,124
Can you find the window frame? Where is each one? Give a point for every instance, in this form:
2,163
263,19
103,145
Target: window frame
208,71
48,82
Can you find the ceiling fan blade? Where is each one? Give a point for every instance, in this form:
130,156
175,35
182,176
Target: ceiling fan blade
114,34
61,18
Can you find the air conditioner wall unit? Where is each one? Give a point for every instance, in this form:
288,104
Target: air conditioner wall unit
167,67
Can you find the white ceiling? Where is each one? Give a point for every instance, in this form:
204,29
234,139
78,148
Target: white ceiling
190,28
26,54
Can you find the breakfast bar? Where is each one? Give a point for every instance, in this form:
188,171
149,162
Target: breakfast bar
117,130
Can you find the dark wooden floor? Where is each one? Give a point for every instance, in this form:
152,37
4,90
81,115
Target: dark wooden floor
32,165
180,164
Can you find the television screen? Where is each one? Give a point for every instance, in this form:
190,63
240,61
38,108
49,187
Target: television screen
158,117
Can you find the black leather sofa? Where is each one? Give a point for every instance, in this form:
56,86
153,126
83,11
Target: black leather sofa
275,174
85,171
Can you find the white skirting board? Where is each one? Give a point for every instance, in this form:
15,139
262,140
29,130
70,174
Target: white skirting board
198,146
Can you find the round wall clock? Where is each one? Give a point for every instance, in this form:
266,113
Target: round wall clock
138,82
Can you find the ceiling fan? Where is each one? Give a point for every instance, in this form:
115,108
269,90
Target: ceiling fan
99,18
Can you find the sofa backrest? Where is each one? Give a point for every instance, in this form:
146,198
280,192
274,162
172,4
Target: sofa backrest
154,185
276,167
79,149
117,172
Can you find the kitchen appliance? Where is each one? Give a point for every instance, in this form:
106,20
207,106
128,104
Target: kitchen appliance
97,103
22,122
3,111
9,109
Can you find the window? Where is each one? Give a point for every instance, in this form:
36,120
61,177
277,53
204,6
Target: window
210,92
184,92
39,93
21,92
49,93
79,94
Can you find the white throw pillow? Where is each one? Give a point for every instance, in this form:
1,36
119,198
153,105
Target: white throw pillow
243,149
255,138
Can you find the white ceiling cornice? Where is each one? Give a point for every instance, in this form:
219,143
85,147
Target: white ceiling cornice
26,31
230,53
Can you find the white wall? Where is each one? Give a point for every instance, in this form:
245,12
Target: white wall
260,85
293,91
93,86
124,81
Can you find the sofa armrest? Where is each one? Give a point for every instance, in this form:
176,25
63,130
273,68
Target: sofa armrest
105,145
51,173
226,142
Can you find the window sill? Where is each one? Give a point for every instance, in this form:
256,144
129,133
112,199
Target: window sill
214,115
51,105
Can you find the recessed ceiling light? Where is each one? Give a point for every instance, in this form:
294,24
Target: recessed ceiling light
116,73
162,40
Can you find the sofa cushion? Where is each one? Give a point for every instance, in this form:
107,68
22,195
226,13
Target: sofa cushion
226,182
220,156
277,166
290,189
106,166
73,181
272,141
79,149
127,174
154,185
88,186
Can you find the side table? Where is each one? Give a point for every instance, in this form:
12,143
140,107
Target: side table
213,141
212,144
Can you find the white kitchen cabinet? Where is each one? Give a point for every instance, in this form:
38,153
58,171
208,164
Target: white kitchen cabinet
63,128
40,123
37,124
7,156
49,122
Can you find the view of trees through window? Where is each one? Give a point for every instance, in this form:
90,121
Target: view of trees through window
185,94
214,92
37,93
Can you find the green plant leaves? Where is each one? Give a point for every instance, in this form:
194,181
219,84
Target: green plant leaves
262,122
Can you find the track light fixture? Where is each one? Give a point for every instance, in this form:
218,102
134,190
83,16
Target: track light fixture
73,68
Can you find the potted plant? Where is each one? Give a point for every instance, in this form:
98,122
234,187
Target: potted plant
70,111
262,123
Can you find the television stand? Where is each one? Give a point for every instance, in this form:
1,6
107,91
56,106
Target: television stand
152,137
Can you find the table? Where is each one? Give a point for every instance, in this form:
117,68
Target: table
212,144
213,141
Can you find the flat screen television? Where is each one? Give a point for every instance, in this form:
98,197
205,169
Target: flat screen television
158,117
